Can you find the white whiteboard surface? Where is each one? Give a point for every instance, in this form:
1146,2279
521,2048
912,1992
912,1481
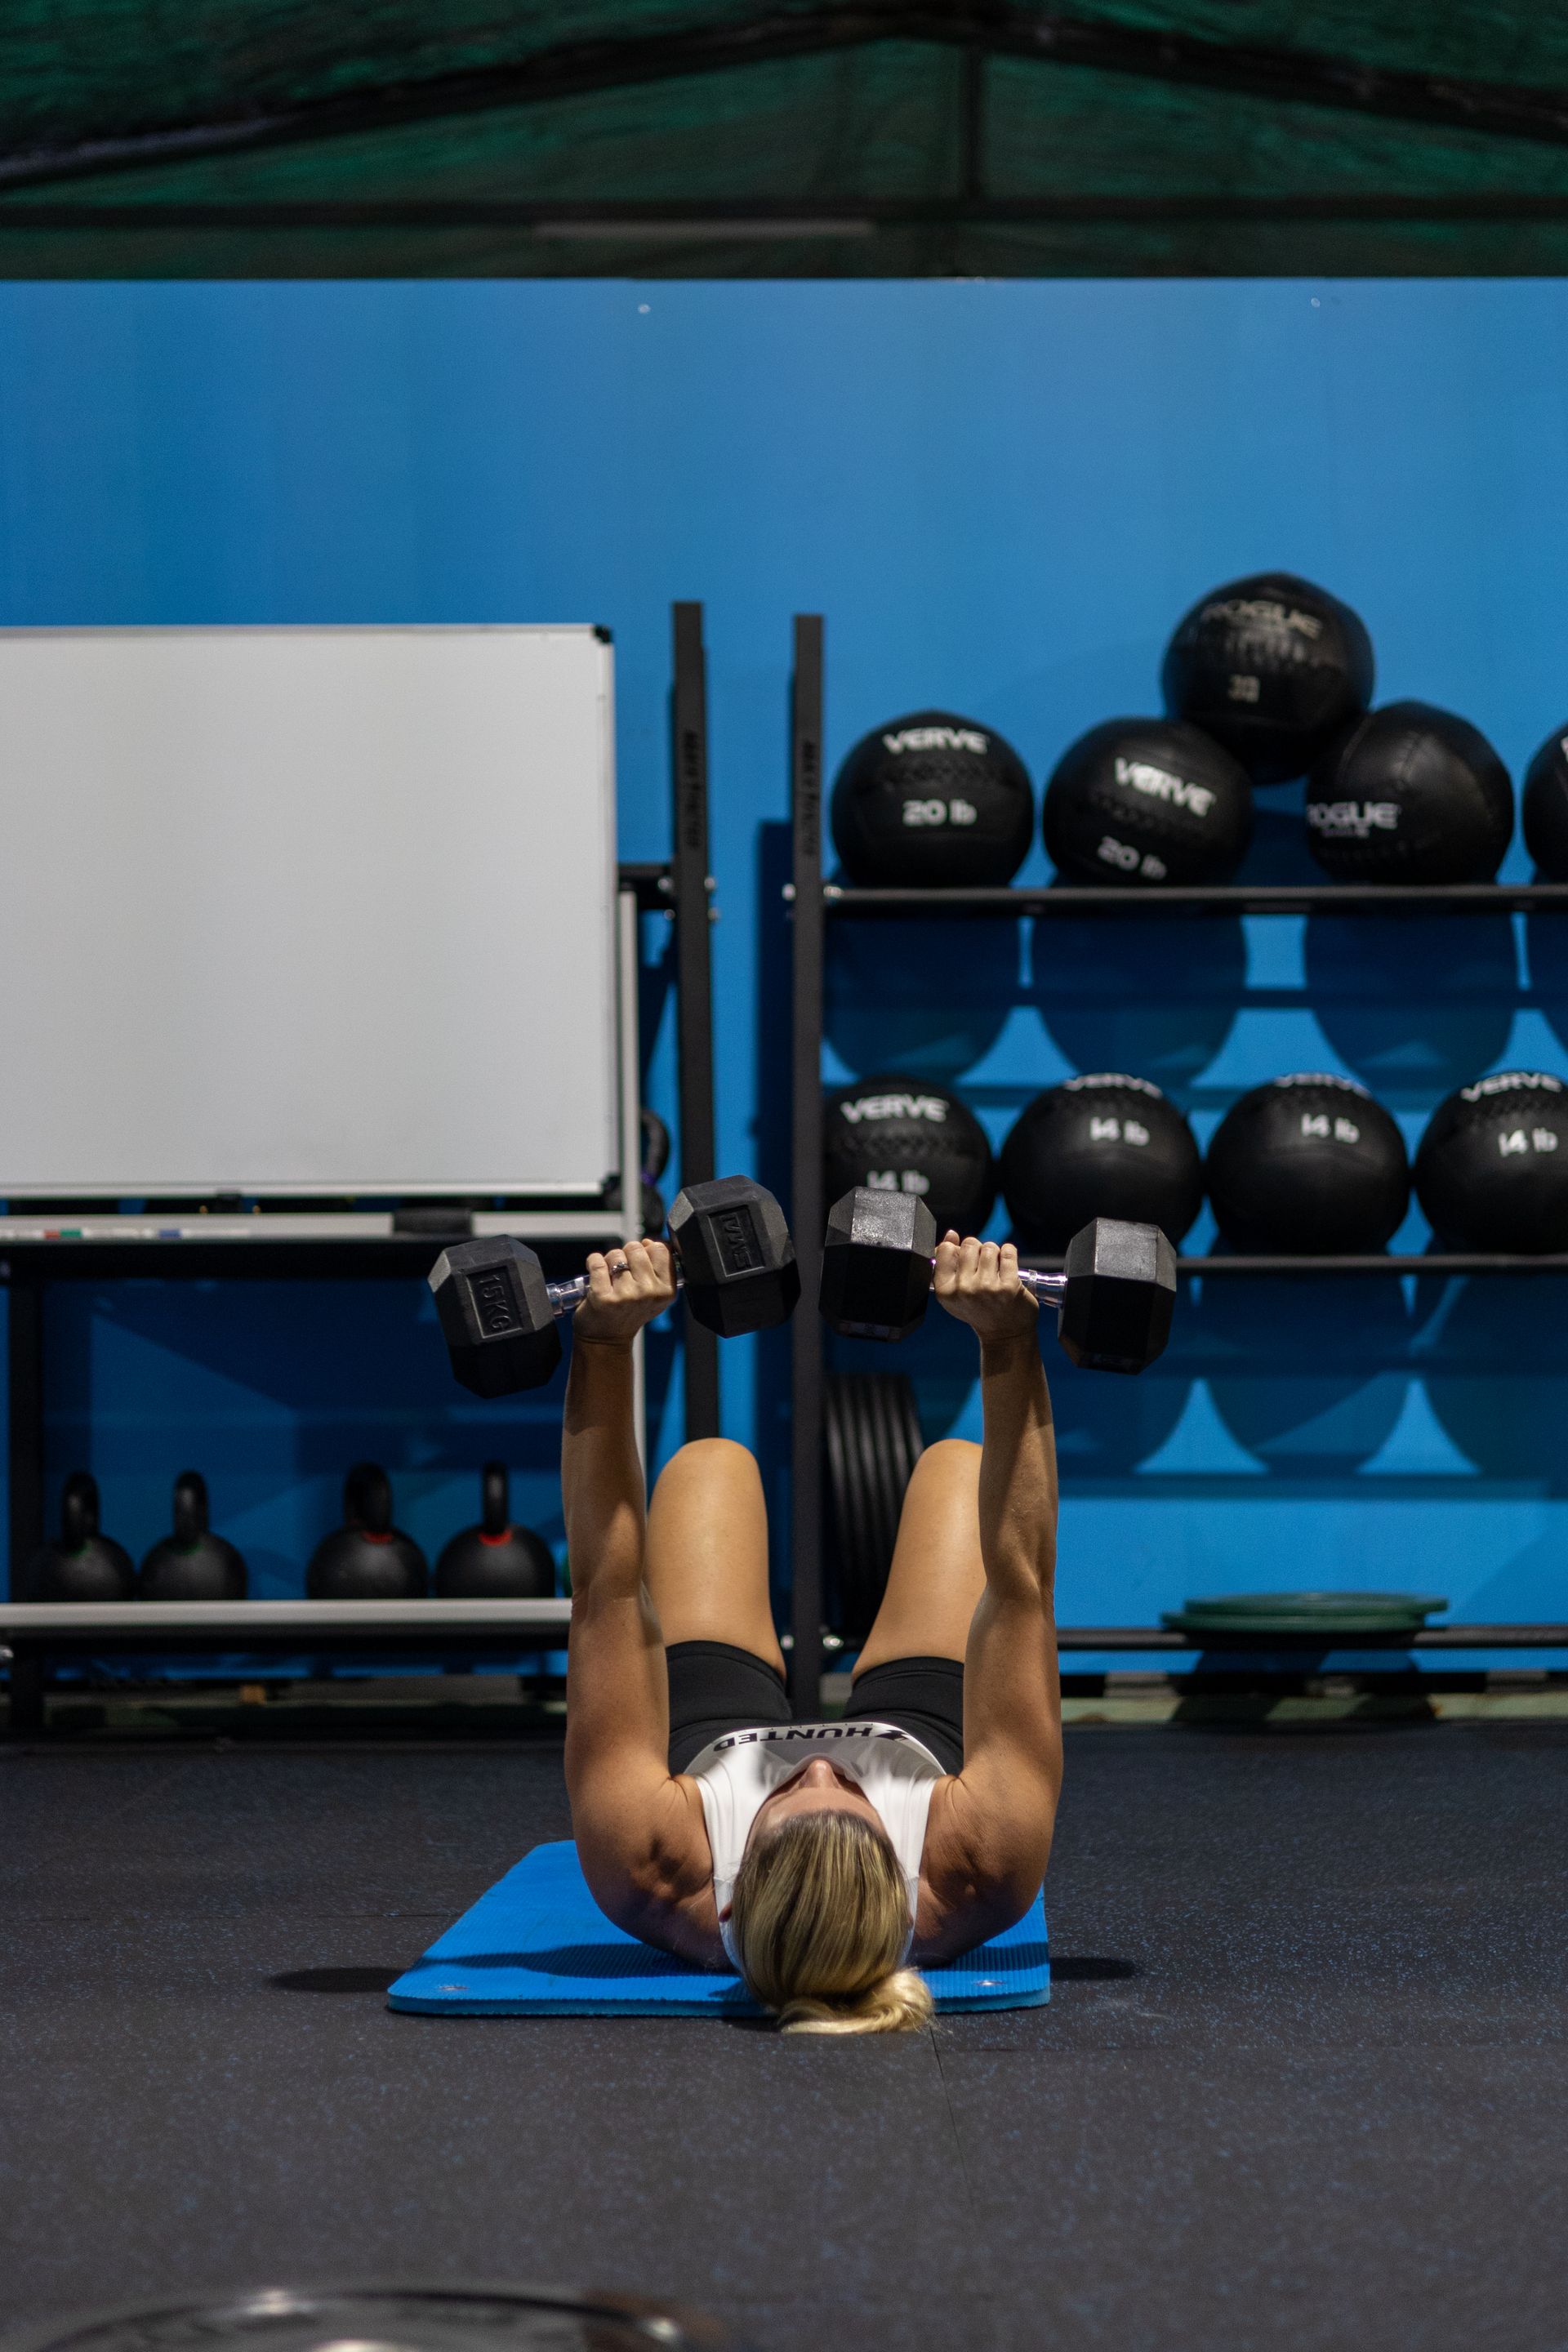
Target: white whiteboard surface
307,910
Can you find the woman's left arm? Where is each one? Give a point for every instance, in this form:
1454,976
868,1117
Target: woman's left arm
994,1822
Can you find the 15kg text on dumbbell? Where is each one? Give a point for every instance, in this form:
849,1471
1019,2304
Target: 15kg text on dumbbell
497,1314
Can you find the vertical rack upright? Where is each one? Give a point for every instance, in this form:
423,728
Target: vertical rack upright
805,1166
693,886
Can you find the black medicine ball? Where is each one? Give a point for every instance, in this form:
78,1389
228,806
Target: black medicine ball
1411,794
1491,1171
932,802
1104,1146
1545,809
1307,1166
1144,801
1271,667
908,1135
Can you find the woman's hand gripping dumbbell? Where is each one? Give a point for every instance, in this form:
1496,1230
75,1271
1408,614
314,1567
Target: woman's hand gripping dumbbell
731,1255
1114,1295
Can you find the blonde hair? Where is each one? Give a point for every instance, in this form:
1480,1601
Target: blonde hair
820,1916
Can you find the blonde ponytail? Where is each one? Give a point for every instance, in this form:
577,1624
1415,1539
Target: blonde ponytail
897,2005
820,1918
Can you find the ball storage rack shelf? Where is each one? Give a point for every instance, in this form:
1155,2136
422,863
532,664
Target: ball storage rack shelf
811,902
1434,1264
1067,900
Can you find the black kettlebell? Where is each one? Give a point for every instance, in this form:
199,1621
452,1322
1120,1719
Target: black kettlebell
82,1565
495,1561
191,1564
367,1559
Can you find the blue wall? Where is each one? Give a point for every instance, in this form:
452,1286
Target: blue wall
1001,495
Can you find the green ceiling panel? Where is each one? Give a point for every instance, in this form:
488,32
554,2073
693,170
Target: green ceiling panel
281,138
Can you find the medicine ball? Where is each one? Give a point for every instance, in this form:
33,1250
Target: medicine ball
910,1135
1306,1166
1271,667
932,802
1102,1145
1147,800
1545,807
1410,794
1491,1171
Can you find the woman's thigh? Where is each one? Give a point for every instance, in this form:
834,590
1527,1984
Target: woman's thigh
706,1560
937,1575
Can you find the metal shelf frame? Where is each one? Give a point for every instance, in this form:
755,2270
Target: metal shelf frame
811,902
64,1241
1067,900
37,1634
1149,1639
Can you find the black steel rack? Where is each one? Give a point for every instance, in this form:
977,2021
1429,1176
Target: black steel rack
814,901
76,1241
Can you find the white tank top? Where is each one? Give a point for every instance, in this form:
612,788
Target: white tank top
736,1775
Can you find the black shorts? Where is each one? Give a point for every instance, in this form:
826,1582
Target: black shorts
715,1688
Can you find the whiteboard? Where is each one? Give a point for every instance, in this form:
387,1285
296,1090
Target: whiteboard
307,910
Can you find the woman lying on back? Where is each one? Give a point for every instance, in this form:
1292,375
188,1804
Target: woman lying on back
818,1859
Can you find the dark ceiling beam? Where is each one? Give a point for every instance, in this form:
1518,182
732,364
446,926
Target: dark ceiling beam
990,28
832,217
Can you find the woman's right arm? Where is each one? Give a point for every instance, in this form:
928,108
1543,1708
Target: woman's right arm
999,1811
642,1850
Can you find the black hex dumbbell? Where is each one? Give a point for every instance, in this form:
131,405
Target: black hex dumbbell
1114,1297
734,1258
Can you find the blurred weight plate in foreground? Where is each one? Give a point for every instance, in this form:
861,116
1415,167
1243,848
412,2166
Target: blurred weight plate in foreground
385,2318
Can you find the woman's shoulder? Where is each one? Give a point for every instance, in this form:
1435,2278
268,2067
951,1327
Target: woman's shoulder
651,1871
979,1873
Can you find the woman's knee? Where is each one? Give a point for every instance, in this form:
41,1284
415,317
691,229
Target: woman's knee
950,1458
945,1478
718,1461
713,1453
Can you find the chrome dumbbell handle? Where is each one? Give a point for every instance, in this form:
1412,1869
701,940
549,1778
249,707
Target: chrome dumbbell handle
565,1298
1051,1288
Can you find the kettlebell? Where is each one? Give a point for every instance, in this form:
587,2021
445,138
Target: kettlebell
495,1561
82,1565
367,1559
191,1564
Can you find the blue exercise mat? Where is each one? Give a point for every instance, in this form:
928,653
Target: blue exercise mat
539,1946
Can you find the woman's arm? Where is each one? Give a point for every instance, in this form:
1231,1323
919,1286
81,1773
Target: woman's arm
999,1813
637,1838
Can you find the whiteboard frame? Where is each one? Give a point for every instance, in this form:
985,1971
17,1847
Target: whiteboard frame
376,1182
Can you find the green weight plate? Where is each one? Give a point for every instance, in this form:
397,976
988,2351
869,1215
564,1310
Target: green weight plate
1326,1626
1316,1603
1305,1612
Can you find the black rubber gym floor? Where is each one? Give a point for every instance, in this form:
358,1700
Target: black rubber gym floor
1303,2081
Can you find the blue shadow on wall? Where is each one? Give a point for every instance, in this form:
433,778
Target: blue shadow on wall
272,1389
1413,1006
896,999
1494,1366
1154,995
